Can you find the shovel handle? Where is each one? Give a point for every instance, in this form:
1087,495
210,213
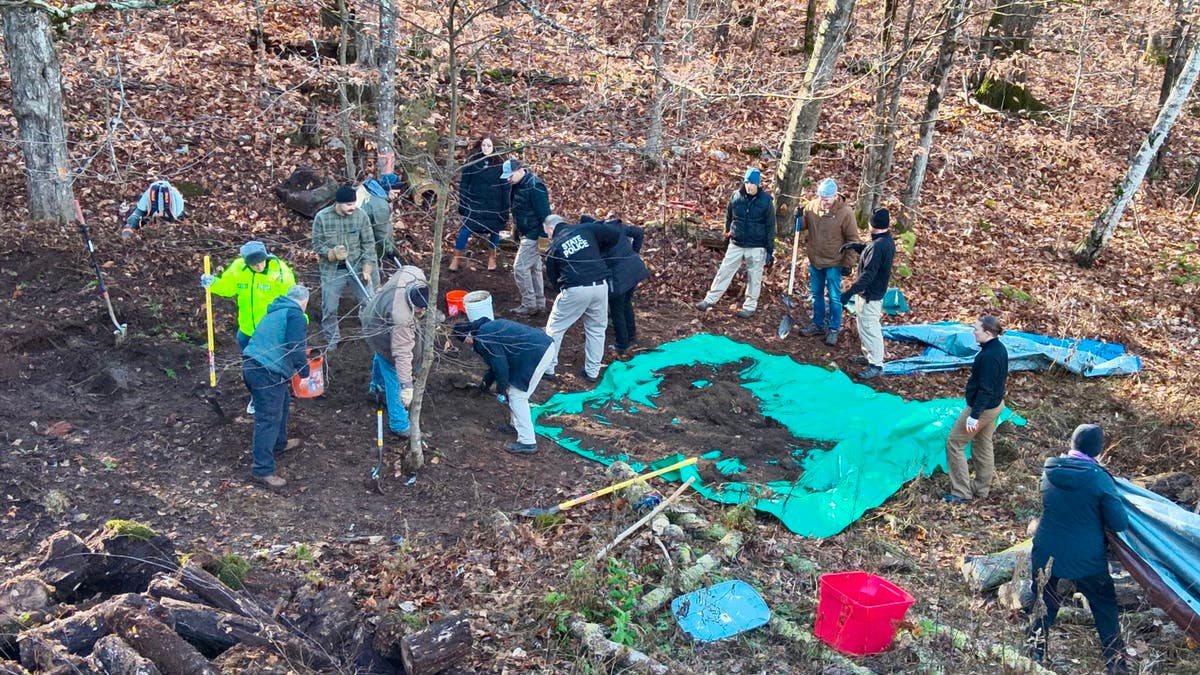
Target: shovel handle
792,274
625,483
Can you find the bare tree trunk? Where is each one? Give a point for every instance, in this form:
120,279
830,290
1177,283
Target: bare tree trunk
343,98
892,71
652,153
721,36
953,13
810,26
1083,35
1011,27
1178,46
802,123
1088,250
37,103
385,102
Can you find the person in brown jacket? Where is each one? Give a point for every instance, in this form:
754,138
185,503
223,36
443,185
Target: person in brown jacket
390,321
827,224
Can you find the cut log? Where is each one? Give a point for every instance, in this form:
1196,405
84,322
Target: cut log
213,592
306,191
24,603
386,640
65,563
603,650
327,616
118,658
985,572
437,647
169,586
1177,486
212,631
77,633
154,640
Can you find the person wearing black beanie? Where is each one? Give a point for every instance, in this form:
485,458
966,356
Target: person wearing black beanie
1079,503
874,274
343,239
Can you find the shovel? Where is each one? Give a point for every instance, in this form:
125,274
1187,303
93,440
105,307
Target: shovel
121,329
354,273
786,323
535,511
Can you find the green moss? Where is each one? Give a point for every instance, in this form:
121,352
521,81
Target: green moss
1007,96
1016,294
231,570
130,528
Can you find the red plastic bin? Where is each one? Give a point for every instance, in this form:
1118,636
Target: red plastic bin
857,612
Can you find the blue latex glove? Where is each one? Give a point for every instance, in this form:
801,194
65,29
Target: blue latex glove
502,399
207,280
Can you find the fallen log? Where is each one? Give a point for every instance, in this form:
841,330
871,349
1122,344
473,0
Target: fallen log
169,586
963,641
213,592
76,633
212,631
118,658
436,647
803,635
607,652
24,603
154,640
985,572
386,641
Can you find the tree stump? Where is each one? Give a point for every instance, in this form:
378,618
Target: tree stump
436,647
77,633
985,572
118,658
65,563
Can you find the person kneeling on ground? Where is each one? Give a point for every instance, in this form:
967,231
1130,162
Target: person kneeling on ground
160,201
277,351
390,321
1079,502
517,355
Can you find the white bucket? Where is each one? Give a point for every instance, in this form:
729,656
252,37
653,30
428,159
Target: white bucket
478,304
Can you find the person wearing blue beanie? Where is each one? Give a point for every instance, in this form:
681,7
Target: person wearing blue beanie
827,226
750,231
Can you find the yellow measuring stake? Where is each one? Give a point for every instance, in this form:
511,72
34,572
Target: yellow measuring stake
212,365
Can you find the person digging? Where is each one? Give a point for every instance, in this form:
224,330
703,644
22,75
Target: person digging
343,240
517,356
391,323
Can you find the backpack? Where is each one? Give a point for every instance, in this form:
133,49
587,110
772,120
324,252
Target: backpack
162,200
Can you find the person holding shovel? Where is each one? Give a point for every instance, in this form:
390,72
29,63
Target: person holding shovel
343,239
874,273
517,356
750,231
391,323
1079,503
977,422
277,351
827,224
375,198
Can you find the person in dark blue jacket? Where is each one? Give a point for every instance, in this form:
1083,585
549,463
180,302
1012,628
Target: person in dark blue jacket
517,356
1079,502
277,351
628,270
530,208
482,201
750,229
874,273
977,422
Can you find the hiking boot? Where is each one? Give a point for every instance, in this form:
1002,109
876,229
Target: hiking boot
831,338
870,373
744,313
400,434
517,448
593,379
858,361
271,481
455,262
292,444
954,499
250,407
507,428
812,330
703,306
522,311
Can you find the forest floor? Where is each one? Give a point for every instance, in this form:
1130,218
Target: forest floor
94,429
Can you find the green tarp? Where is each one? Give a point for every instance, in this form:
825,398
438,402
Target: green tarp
880,441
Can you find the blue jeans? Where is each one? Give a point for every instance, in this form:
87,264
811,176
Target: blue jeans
383,377
820,280
272,396
464,234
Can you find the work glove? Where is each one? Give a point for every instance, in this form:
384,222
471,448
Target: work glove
972,424
846,271
338,253
366,272
207,280
406,396
502,399
855,246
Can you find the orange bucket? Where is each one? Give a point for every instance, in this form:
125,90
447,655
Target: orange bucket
313,385
454,303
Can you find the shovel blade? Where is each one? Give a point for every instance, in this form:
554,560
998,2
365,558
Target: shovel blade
788,301
534,512
785,326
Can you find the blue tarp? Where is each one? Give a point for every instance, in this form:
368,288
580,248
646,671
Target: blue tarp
1166,538
952,346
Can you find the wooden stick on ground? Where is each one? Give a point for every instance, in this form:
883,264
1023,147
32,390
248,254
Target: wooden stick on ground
645,519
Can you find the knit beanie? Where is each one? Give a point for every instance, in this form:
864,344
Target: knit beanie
346,195
753,176
827,189
419,296
1088,439
253,252
881,219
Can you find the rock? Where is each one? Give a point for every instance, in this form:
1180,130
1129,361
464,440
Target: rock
65,562
59,429
718,155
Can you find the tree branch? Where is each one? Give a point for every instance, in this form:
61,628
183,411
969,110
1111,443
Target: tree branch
61,15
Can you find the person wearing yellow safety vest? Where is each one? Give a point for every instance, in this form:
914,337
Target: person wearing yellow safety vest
256,279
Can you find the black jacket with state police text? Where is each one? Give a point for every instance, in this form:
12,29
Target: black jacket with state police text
577,254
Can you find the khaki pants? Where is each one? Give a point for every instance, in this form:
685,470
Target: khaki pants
983,458
519,414
591,303
870,332
528,273
734,255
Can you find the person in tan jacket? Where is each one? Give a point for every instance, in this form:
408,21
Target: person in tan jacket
391,323
827,224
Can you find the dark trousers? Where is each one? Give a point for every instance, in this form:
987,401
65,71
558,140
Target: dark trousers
272,396
1102,599
620,309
